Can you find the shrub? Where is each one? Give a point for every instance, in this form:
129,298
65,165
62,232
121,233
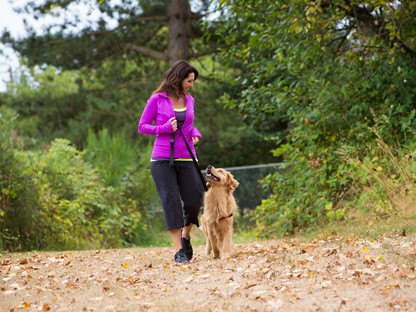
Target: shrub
18,197
76,209
112,155
383,178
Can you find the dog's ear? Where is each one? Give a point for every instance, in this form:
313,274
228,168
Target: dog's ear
231,182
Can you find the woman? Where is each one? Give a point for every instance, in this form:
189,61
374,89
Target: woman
171,107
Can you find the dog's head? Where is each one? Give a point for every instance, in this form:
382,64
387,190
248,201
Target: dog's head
220,177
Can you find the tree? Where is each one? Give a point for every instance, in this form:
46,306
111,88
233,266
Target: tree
179,26
332,70
113,64
101,75
139,31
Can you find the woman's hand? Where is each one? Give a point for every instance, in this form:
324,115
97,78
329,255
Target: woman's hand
174,123
195,140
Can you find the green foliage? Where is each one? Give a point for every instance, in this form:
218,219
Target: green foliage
65,104
17,192
133,30
331,71
112,155
227,141
384,178
95,80
57,200
321,85
75,208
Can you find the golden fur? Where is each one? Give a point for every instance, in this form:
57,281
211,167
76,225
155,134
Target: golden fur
219,209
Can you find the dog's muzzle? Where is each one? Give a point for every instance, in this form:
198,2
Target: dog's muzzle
211,176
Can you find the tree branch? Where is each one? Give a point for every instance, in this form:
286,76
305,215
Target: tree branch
364,16
145,51
405,47
373,24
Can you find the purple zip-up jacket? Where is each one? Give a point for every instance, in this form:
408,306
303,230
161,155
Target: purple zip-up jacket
155,121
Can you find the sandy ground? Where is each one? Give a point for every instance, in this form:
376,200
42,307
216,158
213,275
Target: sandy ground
334,274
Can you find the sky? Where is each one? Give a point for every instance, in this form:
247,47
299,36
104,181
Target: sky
13,22
9,19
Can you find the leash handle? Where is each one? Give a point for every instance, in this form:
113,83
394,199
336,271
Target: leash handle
204,183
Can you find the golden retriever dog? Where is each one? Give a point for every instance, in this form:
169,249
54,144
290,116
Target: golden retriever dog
219,209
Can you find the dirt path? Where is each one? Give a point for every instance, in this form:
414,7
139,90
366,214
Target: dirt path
335,274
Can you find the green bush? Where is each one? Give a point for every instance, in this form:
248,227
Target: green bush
330,75
77,208
64,198
18,197
112,155
124,166
384,179
72,207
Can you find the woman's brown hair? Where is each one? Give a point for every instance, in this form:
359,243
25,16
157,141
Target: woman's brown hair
173,77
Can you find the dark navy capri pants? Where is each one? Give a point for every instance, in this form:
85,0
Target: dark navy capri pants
179,190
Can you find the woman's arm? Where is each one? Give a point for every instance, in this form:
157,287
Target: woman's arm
149,114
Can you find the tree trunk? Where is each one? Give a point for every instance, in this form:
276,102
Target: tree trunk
179,14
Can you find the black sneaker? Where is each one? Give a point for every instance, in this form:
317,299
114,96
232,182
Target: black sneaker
187,247
180,257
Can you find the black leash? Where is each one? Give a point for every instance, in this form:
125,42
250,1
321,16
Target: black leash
204,183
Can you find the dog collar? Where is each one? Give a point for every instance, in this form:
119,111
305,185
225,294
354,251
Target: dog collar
229,216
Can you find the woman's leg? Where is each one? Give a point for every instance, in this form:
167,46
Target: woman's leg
186,231
180,256
191,194
176,238
191,197
168,190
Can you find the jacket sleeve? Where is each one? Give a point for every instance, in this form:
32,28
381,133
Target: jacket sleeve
195,133
149,115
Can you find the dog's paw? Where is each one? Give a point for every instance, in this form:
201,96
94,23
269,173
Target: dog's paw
225,256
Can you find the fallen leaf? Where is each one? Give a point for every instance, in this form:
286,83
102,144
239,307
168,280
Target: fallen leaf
380,258
24,305
249,286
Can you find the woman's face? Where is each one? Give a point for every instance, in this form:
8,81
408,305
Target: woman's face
188,83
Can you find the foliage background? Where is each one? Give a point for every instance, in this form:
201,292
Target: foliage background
339,73
327,87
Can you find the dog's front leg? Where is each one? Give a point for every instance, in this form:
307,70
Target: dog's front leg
215,246
227,245
208,246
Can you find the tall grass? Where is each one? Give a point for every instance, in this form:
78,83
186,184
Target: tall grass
387,180
382,195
